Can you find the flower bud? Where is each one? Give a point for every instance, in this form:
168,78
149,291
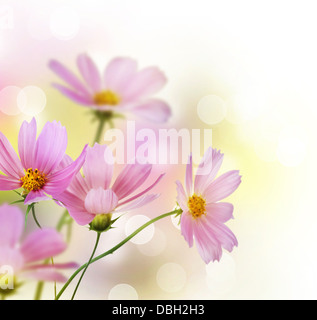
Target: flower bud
101,222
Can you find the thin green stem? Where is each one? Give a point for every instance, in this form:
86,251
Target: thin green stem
101,126
177,211
34,217
87,264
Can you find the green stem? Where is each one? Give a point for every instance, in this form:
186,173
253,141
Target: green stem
35,219
87,264
102,123
177,211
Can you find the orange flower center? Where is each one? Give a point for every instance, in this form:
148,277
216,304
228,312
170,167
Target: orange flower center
106,97
196,205
33,180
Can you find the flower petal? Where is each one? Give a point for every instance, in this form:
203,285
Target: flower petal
98,166
35,196
208,246
12,258
220,212
68,77
27,142
61,179
10,164
119,73
42,244
138,203
187,227
223,186
153,110
207,169
45,274
189,175
144,191
7,183
182,197
145,83
11,225
89,72
50,147
99,201
131,178
74,96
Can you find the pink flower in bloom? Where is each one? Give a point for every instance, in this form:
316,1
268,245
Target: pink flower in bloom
203,215
36,170
90,196
121,88
26,258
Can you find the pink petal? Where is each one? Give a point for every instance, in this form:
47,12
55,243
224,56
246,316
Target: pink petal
153,110
45,274
100,201
223,186
119,73
187,227
189,175
82,217
208,169
68,77
131,178
98,167
74,96
144,191
223,234
208,246
42,244
89,72
50,147
36,196
220,212
61,179
10,164
78,185
11,225
145,83
138,203
27,142
182,198
12,258
7,183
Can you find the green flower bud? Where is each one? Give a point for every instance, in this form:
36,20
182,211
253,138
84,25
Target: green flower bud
101,222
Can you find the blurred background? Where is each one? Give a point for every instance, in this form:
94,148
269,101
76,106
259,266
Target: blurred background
245,69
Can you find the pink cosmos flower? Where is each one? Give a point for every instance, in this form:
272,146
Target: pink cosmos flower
203,215
91,196
121,88
36,170
26,258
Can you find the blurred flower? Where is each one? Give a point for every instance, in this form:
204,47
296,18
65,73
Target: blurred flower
90,199
25,258
37,172
203,216
121,88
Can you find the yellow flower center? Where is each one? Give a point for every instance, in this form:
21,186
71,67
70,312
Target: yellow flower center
33,180
106,97
196,205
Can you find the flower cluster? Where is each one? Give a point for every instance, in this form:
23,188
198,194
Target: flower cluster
86,187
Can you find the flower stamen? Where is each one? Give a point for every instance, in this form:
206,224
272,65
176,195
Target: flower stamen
106,97
197,206
33,180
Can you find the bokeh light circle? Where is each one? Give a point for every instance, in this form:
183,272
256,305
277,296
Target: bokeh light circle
134,223
156,246
9,100
211,109
31,100
123,291
171,277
